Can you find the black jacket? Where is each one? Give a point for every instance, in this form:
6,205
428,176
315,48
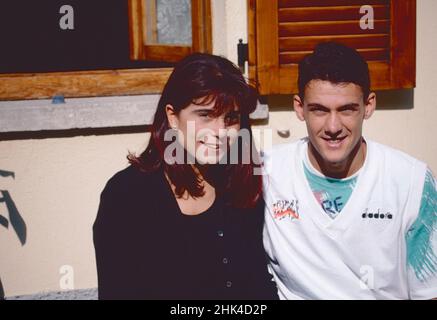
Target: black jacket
147,249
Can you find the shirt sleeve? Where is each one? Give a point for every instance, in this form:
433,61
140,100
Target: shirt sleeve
421,241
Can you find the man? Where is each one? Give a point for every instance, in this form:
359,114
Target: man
346,217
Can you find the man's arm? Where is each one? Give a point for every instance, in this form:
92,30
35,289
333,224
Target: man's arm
421,242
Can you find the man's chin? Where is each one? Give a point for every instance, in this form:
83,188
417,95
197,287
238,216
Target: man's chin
332,160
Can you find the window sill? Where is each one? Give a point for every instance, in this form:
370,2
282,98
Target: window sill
81,113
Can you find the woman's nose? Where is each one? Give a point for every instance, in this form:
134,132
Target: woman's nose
219,124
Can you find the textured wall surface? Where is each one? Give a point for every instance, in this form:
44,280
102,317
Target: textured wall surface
83,294
58,179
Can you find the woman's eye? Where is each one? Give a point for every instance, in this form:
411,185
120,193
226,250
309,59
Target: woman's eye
232,119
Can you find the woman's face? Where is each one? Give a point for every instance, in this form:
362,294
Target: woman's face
203,134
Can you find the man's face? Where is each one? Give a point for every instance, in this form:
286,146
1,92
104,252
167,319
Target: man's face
334,115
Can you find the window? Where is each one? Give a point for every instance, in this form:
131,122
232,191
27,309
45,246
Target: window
144,68
282,32
168,30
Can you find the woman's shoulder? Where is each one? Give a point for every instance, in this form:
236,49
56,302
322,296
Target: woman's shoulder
131,189
131,179
126,194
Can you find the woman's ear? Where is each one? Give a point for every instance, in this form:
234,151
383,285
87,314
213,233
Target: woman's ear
171,117
370,105
298,107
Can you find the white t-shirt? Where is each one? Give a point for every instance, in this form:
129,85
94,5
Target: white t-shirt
362,253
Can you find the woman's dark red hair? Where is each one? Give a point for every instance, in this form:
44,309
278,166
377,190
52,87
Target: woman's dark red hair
205,78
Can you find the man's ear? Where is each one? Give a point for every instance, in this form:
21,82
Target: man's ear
298,107
172,118
370,105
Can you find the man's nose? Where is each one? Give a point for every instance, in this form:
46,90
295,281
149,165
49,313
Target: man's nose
333,125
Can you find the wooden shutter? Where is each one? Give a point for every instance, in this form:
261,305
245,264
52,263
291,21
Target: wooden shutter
201,33
282,32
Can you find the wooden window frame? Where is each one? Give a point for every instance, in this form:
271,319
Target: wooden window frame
24,86
201,33
273,78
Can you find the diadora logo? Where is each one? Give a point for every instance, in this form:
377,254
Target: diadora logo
286,209
372,214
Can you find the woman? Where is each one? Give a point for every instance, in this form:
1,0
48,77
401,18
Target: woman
185,220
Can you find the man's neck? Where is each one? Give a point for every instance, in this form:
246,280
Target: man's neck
340,170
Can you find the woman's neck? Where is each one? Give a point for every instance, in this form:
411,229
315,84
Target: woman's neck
192,206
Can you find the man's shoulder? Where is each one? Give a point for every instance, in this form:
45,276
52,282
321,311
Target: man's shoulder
392,156
396,167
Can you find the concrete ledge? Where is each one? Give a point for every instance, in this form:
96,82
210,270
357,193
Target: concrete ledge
77,113
84,294
81,113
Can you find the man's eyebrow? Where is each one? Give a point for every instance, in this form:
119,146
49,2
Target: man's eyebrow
349,105
317,105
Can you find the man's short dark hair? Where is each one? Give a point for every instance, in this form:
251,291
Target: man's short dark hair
335,63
